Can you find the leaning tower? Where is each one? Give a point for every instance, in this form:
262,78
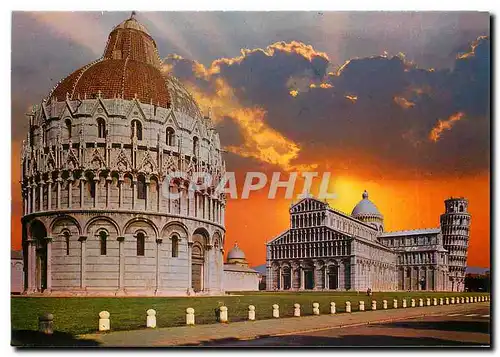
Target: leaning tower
455,223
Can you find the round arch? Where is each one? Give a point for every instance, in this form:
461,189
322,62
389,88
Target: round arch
175,227
102,218
62,218
143,220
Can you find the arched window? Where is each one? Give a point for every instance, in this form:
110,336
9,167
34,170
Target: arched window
67,122
91,187
66,240
175,246
103,236
137,129
141,241
170,139
141,188
196,145
461,208
101,128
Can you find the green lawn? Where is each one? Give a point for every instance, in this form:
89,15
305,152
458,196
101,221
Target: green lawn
80,315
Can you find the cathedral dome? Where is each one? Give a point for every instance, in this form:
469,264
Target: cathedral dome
129,68
236,253
365,207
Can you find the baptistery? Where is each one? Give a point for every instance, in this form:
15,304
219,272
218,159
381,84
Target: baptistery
111,199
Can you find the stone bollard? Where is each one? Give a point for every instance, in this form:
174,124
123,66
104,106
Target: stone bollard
428,301
452,300
467,300
374,304
447,301
276,311
104,323
251,312
315,308
361,306
46,324
189,316
440,301
332,308
223,314
384,304
457,300
412,302
296,310
395,303
420,302
151,318
347,306
403,304
434,301
463,300
475,298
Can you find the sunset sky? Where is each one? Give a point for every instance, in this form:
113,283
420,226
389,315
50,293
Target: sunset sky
394,103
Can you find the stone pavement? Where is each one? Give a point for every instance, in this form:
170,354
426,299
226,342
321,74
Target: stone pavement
194,335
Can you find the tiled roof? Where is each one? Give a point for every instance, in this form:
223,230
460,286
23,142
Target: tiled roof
129,68
410,232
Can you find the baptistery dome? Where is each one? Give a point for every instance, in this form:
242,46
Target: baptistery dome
111,203
129,68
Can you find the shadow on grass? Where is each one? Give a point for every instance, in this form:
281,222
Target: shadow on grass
30,338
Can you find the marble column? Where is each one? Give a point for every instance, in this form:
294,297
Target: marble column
317,279
134,192
49,195
208,283
83,261
341,276
302,278
158,203
109,181
82,191
31,266
121,262
33,196
325,278
70,191
146,197
158,250
97,188
120,192
41,195
59,180
190,267
28,199
48,242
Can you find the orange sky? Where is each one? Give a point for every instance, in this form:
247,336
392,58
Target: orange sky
404,204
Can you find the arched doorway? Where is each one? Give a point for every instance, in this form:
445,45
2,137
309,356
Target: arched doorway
38,233
197,263
287,278
333,277
200,240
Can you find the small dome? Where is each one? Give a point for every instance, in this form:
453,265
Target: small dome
132,23
365,207
235,253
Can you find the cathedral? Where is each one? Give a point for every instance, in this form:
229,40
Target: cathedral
326,249
99,218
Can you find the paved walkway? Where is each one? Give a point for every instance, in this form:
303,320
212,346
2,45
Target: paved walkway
194,335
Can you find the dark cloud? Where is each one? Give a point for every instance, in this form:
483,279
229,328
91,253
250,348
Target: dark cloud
394,107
